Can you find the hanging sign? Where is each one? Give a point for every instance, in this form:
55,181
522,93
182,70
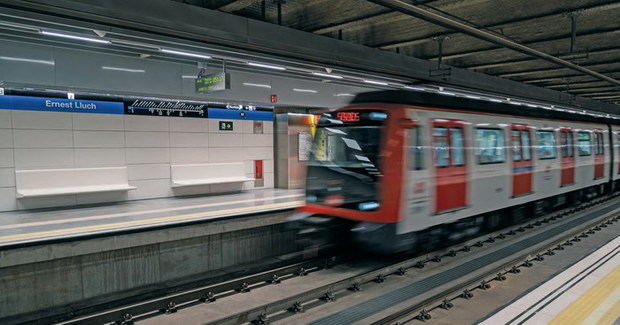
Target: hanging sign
212,82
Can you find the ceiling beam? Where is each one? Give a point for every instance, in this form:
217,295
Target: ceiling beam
418,12
602,93
563,77
611,33
429,37
519,61
522,73
237,5
589,89
383,16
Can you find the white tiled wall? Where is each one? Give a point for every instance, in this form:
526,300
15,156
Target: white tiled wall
146,145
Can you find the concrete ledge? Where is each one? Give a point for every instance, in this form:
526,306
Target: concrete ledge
44,279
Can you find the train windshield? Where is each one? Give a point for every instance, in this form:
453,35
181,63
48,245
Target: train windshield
344,165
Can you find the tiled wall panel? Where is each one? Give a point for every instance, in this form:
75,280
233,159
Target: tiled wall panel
146,145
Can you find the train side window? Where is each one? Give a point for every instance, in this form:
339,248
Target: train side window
584,144
545,144
600,149
441,146
526,145
456,137
566,144
516,145
490,146
416,150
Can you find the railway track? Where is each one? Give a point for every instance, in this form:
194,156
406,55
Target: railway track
168,308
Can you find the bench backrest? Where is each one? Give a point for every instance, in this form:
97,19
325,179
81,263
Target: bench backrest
206,171
70,177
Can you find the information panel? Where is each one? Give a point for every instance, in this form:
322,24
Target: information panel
212,82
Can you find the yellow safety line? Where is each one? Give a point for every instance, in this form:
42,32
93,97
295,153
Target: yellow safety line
612,315
581,308
144,222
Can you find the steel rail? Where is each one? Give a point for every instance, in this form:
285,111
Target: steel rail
481,282
208,293
328,292
417,12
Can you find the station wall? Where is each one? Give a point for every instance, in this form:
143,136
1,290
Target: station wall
147,145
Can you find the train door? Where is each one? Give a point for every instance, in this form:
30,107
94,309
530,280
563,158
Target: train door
522,164
567,149
599,154
450,165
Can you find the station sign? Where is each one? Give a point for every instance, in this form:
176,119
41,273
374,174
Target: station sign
27,103
212,82
226,125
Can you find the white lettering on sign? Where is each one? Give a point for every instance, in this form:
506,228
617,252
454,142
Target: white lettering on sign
69,105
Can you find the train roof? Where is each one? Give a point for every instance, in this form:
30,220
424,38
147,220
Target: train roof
435,100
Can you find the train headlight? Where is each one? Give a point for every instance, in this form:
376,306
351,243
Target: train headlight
365,206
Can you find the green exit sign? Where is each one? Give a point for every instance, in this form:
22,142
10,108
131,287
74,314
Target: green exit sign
226,126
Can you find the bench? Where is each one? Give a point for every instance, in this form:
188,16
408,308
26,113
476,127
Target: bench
49,182
206,174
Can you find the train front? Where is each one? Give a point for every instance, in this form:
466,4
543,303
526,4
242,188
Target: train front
353,184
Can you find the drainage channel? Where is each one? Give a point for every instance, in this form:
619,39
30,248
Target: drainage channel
327,292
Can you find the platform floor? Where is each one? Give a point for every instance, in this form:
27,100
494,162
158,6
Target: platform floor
588,292
21,227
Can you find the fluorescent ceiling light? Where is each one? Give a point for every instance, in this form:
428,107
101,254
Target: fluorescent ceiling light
344,95
268,66
305,90
495,100
327,75
256,85
414,88
446,93
472,96
75,37
123,69
10,58
193,55
375,82
189,77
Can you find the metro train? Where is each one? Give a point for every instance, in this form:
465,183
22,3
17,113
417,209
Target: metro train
396,170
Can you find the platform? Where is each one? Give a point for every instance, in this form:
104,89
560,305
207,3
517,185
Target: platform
587,292
28,227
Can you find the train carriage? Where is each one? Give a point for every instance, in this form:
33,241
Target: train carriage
399,169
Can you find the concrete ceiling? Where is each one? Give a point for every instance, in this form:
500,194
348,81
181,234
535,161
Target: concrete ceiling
544,25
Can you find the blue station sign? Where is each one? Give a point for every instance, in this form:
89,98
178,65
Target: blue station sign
60,105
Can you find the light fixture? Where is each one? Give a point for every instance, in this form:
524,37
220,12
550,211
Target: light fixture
344,95
75,37
193,55
189,77
375,82
123,69
447,93
267,66
327,75
10,58
249,84
472,96
414,88
305,90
